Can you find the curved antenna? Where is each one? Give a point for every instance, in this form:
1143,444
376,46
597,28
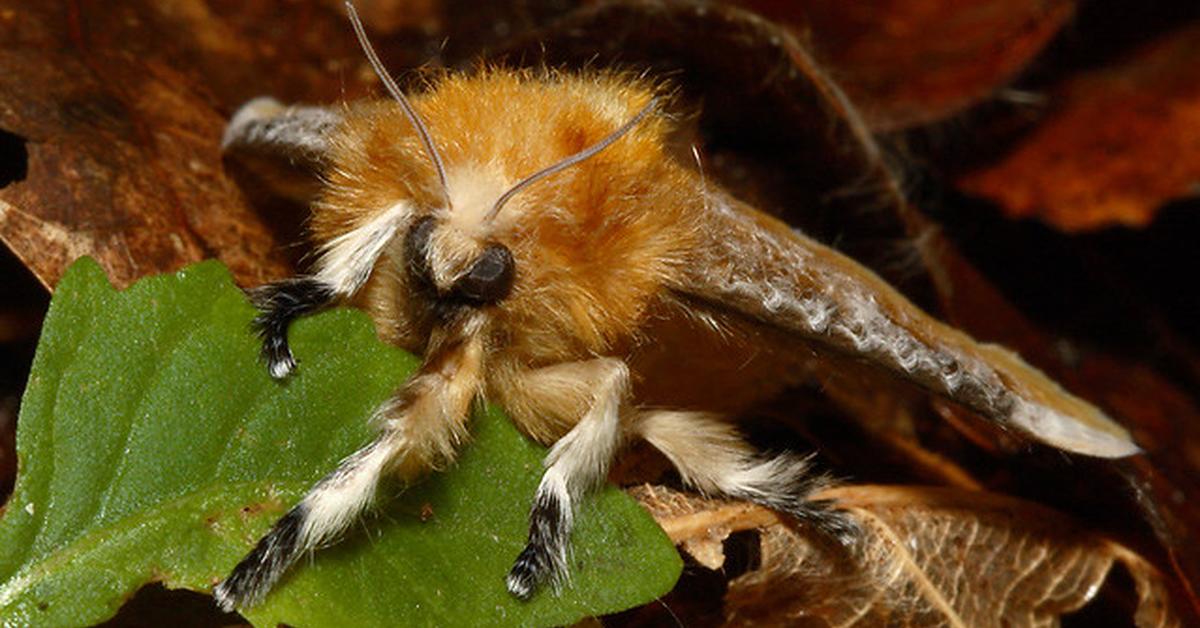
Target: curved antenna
570,161
394,90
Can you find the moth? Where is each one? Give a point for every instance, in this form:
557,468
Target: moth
530,234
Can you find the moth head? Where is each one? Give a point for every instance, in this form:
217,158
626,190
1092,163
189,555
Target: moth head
456,268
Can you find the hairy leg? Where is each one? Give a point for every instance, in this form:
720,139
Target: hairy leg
279,303
712,458
418,429
576,464
344,265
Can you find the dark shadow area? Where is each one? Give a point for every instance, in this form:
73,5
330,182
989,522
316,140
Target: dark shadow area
696,601
1122,289
155,605
14,158
1113,606
23,303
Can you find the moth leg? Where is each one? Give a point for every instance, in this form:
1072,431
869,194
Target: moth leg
279,303
272,139
287,146
577,463
713,458
345,264
419,428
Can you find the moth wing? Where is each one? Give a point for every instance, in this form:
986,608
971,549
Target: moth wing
756,267
286,146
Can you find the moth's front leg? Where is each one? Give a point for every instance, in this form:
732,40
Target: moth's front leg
345,264
279,303
288,145
577,463
419,428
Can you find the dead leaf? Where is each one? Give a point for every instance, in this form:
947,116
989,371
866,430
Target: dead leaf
928,557
909,63
388,16
1118,143
119,109
123,162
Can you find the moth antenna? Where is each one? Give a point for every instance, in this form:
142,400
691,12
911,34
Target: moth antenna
570,161
394,90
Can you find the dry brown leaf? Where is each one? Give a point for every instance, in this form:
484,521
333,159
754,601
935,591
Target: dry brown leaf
120,108
392,15
123,156
929,557
1120,142
908,63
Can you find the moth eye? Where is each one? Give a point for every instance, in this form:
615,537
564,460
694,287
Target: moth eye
490,278
416,249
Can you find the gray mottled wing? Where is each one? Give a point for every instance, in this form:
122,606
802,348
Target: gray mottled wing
759,268
288,146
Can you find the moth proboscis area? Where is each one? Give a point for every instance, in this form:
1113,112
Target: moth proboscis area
531,235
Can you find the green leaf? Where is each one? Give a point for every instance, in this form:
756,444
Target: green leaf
154,447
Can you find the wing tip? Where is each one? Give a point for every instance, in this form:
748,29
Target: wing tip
1096,435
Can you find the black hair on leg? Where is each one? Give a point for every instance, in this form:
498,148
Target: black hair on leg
544,556
254,576
791,494
279,303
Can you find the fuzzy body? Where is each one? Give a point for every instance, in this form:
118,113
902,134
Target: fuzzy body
622,297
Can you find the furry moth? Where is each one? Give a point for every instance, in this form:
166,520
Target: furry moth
532,237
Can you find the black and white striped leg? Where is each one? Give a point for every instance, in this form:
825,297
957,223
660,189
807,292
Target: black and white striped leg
324,513
576,464
545,555
254,576
712,457
789,491
279,303
437,399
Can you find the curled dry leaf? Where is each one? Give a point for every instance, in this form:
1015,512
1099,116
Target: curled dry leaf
908,63
111,116
1120,143
928,557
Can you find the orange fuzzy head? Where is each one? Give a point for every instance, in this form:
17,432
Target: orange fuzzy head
588,252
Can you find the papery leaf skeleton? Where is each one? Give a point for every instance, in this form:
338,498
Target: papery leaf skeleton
529,234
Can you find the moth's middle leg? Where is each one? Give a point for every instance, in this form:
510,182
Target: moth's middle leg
576,464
